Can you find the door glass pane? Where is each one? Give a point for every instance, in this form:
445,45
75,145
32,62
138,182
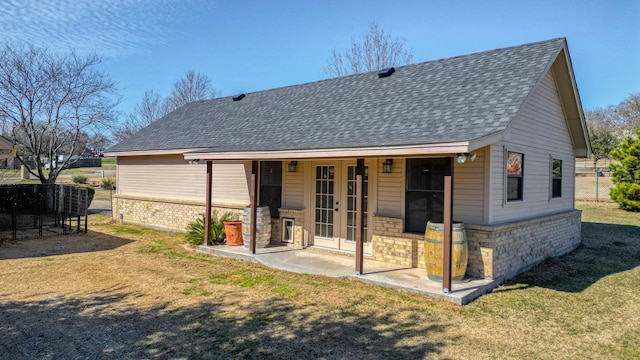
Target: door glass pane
324,201
351,201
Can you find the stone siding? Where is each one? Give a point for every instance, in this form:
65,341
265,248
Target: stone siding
176,215
162,213
495,252
391,245
298,226
509,249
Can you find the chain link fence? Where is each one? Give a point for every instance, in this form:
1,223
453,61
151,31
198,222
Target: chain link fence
594,187
593,180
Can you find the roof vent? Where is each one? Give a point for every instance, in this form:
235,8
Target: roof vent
239,97
386,72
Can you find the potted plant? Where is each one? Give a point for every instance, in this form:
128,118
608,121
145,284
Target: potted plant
233,231
195,234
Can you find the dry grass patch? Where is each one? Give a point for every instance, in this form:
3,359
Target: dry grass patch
130,292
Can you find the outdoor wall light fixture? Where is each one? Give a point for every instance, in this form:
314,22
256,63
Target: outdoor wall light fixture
194,162
462,157
291,167
386,166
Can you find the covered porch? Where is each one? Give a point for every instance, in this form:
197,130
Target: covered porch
308,261
338,199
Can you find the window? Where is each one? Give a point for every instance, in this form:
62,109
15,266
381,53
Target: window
556,178
424,193
271,186
515,174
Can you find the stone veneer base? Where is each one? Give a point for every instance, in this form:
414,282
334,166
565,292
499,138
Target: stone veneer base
495,251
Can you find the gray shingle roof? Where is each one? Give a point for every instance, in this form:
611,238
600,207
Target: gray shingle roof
455,99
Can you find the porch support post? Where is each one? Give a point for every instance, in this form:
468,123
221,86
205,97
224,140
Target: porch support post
448,228
207,222
254,205
359,216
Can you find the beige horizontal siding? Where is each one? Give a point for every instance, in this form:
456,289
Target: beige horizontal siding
172,177
391,189
293,186
539,132
468,189
231,183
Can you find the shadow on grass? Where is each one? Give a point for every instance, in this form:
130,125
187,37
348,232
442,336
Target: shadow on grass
60,245
606,249
111,326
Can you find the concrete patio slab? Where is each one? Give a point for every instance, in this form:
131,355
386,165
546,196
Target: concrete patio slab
309,261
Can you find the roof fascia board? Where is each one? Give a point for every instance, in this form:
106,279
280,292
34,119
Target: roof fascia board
149,152
573,101
486,140
431,149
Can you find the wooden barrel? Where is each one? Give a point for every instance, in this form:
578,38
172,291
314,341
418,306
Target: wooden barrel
433,251
263,226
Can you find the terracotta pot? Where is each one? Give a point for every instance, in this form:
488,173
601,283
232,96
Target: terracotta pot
233,231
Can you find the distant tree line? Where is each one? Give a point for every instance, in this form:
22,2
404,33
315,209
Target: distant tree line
610,125
614,132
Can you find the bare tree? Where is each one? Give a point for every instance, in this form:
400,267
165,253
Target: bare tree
151,108
51,102
192,87
374,51
629,112
98,143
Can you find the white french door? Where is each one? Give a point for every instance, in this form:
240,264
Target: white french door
325,204
334,204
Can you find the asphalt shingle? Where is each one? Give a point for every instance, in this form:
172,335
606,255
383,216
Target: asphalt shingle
455,99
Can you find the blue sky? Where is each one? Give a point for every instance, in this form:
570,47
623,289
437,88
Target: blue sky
246,46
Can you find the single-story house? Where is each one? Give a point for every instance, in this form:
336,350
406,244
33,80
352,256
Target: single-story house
507,124
7,150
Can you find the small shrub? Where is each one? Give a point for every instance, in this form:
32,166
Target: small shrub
195,236
108,184
79,179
